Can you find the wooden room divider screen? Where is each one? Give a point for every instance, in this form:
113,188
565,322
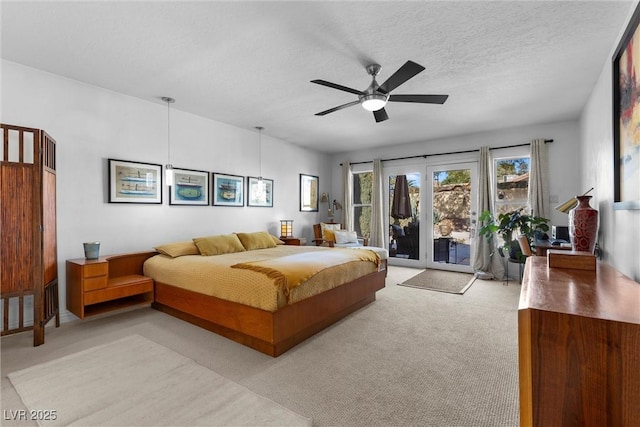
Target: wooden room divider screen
28,249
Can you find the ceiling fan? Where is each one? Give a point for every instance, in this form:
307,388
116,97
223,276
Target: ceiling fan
375,97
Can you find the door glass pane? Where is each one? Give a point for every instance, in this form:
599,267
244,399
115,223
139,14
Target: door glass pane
451,216
404,215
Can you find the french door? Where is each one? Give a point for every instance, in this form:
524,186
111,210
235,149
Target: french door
451,193
403,200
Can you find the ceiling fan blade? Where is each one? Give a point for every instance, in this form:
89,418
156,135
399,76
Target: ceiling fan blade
339,107
424,99
336,86
404,73
380,115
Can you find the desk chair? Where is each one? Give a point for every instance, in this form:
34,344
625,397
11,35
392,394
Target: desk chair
524,245
525,248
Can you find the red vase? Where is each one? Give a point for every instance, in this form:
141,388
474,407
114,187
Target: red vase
583,226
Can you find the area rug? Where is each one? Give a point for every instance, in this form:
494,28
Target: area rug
441,281
137,382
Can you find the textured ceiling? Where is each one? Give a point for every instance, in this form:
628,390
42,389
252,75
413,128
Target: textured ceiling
249,64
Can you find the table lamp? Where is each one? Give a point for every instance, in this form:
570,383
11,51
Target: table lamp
286,228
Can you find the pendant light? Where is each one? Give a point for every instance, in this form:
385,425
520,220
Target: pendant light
168,169
261,184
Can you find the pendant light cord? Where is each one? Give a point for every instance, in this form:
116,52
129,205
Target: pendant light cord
168,133
169,101
260,128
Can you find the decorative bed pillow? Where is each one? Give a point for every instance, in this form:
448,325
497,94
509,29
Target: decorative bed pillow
276,240
257,240
218,245
328,231
175,250
343,236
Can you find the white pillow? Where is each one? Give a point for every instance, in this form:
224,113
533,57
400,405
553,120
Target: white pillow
343,236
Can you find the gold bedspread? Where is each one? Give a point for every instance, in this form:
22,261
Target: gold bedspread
212,275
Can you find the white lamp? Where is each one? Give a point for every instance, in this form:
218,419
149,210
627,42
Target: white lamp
168,169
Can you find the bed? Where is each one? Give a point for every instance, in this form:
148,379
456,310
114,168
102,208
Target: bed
266,296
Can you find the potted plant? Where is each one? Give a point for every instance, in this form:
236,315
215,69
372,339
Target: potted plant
515,222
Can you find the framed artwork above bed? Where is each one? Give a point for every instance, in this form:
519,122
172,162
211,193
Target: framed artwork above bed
190,187
259,192
228,190
134,182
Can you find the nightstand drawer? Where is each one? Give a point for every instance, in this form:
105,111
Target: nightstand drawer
97,269
122,291
93,283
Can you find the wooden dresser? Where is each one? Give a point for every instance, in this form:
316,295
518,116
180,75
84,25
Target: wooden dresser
107,283
579,347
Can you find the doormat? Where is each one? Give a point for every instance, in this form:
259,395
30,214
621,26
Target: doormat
441,281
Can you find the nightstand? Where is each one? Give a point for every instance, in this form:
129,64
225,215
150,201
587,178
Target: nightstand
294,241
99,285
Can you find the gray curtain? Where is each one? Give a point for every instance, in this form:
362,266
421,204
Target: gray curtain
377,219
539,179
347,203
486,258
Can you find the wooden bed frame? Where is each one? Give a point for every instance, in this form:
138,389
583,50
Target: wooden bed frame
271,333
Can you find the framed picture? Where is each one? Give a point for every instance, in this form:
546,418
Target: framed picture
626,117
134,182
190,187
308,193
259,192
228,190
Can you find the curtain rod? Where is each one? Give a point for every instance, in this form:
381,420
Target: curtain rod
547,141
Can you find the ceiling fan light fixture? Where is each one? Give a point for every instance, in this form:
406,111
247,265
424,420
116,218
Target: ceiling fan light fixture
373,101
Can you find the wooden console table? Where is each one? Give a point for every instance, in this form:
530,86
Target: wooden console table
578,347
107,283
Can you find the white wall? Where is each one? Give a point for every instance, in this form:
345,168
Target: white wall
619,231
563,167
91,124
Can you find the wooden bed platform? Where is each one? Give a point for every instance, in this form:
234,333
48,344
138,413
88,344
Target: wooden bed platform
271,333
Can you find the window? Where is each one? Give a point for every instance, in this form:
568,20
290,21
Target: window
362,186
511,188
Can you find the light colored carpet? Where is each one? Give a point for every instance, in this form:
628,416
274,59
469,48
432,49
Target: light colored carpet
410,358
135,381
441,281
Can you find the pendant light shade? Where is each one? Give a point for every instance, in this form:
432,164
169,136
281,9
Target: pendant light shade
168,169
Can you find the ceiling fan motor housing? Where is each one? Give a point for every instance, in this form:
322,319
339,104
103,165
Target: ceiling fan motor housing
371,99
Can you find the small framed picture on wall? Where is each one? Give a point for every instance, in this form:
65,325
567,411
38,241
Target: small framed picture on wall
134,182
228,190
308,193
190,187
259,192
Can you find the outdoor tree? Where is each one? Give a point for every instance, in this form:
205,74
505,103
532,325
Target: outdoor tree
512,167
462,176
